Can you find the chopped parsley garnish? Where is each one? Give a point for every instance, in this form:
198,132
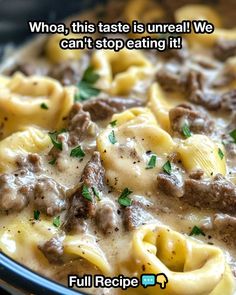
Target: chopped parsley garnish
113,123
152,162
96,193
52,162
44,106
186,131
86,193
220,153
53,135
112,137
36,214
90,76
167,167
233,135
77,152
56,221
86,88
196,231
124,200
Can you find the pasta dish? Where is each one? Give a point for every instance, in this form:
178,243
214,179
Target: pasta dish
123,163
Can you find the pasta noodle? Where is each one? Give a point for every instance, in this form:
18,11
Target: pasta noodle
21,103
137,132
203,12
191,267
127,172
31,140
120,71
199,152
56,54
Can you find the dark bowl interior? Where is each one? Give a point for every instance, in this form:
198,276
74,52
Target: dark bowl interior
16,277
14,14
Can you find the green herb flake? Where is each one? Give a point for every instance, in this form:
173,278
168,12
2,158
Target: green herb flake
53,135
96,193
233,135
112,137
85,86
44,106
90,76
221,154
167,167
86,91
36,214
196,231
52,162
186,131
86,193
152,162
124,200
77,152
113,123
56,221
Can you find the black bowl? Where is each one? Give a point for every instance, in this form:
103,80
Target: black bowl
16,278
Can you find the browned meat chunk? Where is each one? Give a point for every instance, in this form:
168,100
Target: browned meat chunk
93,174
49,196
230,150
31,162
101,109
68,73
197,93
178,54
60,157
53,250
106,218
196,174
228,100
225,226
230,146
185,114
170,185
28,69
79,123
170,78
225,49
81,208
15,190
219,194
135,215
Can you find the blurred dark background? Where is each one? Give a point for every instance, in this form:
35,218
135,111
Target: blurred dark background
14,15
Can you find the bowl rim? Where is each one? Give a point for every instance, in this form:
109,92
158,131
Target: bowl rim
23,278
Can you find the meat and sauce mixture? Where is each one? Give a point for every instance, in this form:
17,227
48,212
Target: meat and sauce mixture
124,162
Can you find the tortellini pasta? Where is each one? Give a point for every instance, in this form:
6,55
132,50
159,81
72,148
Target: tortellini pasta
31,140
204,12
56,54
143,11
16,239
198,12
126,161
120,71
87,249
3,80
160,105
200,152
23,101
191,267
